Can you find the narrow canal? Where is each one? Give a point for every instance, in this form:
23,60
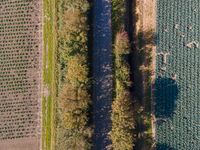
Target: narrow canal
102,73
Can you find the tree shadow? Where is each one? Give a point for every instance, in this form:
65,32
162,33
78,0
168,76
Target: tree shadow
141,55
166,93
164,147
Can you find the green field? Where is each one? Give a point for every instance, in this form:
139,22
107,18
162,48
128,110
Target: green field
49,78
177,105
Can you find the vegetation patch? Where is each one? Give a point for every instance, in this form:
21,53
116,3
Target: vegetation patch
122,134
118,15
123,121
73,127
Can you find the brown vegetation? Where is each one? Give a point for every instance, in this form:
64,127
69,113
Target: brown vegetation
74,131
122,134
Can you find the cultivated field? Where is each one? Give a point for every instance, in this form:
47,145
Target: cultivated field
20,74
177,107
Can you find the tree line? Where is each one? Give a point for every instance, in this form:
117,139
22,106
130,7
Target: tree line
74,101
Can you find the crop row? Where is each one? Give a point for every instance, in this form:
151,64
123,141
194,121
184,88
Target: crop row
177,84
20,65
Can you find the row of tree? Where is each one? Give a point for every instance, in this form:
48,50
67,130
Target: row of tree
122,117
74,97
122,133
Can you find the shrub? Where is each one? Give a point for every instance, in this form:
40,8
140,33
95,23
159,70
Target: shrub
74,97
122,108
72,32
77,71
118,15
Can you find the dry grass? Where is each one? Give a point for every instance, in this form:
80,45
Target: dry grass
145,31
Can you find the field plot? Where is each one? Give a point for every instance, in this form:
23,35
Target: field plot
177,96
20,74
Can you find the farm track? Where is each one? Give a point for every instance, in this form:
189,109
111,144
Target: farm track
144,56
20,73
102,73
49,75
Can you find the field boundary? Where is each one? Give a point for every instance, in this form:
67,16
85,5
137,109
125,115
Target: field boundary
153,79
49,77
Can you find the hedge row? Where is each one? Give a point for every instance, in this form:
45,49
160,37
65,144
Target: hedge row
74,98
118,15
122,133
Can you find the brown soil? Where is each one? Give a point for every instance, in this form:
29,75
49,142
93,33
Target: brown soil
20,74
20,144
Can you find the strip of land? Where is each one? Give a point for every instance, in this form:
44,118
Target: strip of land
49,77
145,28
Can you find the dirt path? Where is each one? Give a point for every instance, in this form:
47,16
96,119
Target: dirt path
102,73
146,27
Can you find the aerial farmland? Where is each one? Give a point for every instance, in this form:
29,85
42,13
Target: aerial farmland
177,107
20,74
99,75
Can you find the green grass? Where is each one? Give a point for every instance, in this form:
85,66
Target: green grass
43,121
49,123
49,78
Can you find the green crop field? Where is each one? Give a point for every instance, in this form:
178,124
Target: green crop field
177,96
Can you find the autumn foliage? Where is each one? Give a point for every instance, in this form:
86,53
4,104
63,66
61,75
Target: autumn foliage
121,135
74,98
